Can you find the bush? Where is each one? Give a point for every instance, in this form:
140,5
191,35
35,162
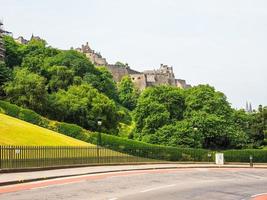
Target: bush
146,150
23,114
10,109
72,130
259,156
30,116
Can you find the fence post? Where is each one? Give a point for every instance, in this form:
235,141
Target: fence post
98,157
0,157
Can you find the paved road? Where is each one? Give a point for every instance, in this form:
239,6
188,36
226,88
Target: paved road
193,184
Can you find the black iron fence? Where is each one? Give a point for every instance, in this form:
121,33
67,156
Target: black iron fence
21,157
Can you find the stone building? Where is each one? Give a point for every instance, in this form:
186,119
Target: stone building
94,57
22,40
162,76
2,49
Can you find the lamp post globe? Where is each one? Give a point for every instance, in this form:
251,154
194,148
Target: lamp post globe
99,138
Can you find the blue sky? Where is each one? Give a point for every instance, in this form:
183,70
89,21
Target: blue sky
219,42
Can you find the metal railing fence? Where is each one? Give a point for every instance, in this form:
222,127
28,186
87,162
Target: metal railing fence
22,157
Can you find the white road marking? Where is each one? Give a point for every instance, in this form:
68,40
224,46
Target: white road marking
157,188
61,184
202,170
113,199
256,195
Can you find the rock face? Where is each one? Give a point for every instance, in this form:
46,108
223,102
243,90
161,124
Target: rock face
162,76
2,49
93,56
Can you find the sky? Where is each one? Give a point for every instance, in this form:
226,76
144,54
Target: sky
222,43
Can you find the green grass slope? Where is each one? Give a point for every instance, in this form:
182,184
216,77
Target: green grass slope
17,132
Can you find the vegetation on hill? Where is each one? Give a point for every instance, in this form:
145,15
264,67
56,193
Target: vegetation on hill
62,85
66,86
130,147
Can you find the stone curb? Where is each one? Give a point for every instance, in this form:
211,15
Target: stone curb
125,170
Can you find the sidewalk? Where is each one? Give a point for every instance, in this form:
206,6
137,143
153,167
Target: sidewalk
13,178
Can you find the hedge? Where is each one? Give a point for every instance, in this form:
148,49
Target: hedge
129,146
259,156
152,151
72,130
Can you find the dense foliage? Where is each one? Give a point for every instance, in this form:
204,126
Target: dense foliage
132,147
66,86
198,117
63,85
128,94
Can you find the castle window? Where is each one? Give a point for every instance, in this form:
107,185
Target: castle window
139,78
133,78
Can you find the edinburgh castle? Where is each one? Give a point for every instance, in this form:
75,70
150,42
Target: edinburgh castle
2,50
162,76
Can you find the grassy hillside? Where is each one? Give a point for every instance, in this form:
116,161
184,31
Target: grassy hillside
17,132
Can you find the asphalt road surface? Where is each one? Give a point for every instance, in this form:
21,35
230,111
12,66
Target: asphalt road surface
171,184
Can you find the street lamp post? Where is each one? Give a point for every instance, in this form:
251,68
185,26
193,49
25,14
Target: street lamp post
99,137
195,130
99,142
251,161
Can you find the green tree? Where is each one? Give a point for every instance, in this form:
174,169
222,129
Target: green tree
258,126
60,77
217,131
27,89
156,107
178,134
84,105
74,60
149,116
34,55
13,55
102,80
171,97
5,75
121,64
128,94
205,98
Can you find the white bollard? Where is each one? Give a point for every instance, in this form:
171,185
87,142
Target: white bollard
219,159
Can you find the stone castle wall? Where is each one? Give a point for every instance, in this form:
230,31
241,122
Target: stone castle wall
139,80
162,76
117,72
2,50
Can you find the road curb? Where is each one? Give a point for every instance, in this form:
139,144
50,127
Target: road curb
125,170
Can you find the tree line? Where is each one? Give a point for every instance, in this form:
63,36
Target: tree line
66,86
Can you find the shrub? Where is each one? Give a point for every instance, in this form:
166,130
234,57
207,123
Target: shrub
30,116
146,150
259,156
71,130
10,109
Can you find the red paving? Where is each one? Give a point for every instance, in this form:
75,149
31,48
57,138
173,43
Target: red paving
260,197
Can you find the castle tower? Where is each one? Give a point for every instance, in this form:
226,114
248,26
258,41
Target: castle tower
249,107
2,49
